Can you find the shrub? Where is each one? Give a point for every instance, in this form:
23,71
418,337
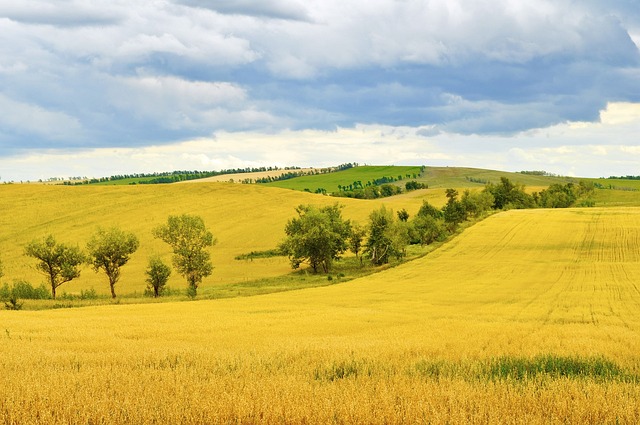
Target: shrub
24,290
13,304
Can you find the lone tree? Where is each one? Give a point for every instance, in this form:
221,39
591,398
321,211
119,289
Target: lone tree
109,250
157,276
318,236
59,262
189,238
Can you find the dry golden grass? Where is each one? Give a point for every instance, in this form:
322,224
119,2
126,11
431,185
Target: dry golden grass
411,344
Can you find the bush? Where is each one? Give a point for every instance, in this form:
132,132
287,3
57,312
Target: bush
13,304
5,292
24,290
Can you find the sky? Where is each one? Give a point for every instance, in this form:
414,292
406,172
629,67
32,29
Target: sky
104,87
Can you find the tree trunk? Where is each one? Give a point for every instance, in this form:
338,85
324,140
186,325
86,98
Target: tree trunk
112,284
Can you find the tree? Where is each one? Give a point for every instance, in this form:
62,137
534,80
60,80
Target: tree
386,237
109,250
429,210
426,229
59,262
157,275
509,195
454,212
476,203
403,215
318,236
189,238
356,239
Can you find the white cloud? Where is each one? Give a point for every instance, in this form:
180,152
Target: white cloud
590,150
432,74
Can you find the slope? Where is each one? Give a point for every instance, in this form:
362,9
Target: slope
243,218
415,343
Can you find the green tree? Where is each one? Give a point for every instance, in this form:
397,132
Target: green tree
477,203
386,237
318,236
454,212
189,238
403,215
426,229
356,239
59,262
429,210
109,250
508,195
157,275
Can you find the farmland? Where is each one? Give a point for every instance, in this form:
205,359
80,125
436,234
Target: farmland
243,218
529,316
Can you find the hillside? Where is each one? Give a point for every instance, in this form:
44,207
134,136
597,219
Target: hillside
331,181
611,192
443,338
243,218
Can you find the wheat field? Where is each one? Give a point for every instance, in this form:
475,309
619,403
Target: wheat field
529,316
243,218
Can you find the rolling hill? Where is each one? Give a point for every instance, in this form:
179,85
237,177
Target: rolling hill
529,316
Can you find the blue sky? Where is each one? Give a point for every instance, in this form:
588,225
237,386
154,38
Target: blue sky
93,88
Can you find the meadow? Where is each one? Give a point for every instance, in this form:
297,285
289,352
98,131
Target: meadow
529,316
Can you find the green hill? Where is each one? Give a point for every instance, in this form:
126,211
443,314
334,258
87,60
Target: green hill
331,181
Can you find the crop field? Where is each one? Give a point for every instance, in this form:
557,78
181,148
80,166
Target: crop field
530,316
243,218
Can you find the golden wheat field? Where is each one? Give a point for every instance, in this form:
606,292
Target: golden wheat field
243,218
529,316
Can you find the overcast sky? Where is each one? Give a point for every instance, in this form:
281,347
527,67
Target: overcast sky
95,88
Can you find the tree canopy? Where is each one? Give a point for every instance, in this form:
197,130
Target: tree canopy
109,250
387,237
59,262
318,236
188,237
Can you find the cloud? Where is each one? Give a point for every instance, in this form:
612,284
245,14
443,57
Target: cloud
137,73
27,120
582,149
62,13
277,9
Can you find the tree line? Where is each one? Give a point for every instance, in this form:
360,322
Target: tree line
169,176
109,250
297,172
319,236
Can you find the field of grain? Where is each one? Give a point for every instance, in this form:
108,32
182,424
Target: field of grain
527,317
243,218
